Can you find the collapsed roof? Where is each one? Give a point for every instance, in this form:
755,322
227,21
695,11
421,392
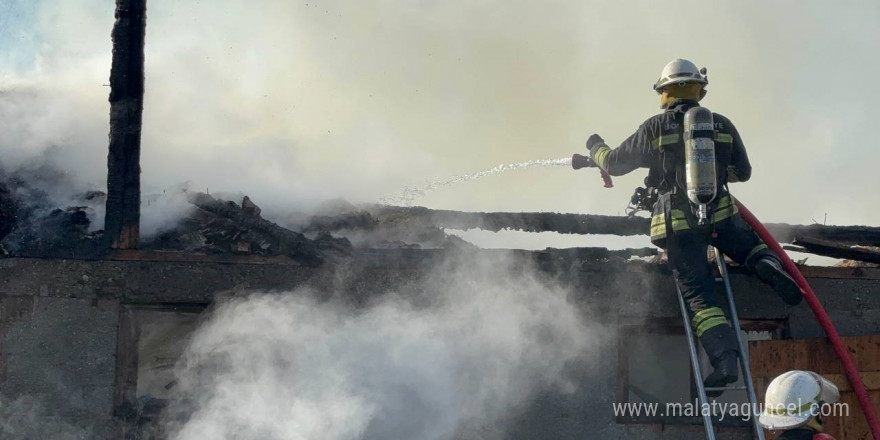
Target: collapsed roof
30,225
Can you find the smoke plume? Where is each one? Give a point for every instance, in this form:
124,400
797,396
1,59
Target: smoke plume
454,355
305,101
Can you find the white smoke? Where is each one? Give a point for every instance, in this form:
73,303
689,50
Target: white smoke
465,350
162,209
305,101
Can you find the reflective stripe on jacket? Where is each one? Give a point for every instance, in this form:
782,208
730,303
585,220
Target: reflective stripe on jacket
682,217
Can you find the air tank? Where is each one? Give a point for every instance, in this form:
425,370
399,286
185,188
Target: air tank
699,148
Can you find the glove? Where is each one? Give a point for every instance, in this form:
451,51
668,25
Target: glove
593,142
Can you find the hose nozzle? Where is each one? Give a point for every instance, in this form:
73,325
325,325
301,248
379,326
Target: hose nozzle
579,161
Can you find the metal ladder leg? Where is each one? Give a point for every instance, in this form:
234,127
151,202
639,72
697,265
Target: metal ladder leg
695,364
743,351
743,358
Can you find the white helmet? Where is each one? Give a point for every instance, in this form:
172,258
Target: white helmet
794,398
680,71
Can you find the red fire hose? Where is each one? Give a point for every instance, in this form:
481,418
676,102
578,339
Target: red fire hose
851,372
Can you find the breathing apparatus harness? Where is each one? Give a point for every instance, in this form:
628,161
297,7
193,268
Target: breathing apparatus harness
700,170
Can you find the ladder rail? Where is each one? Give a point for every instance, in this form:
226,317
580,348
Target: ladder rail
744,354
695,364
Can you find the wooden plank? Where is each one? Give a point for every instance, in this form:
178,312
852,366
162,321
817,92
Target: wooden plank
871,379
854,426
768,358
774,356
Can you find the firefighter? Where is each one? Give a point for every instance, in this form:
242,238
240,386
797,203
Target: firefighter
794,404
658,145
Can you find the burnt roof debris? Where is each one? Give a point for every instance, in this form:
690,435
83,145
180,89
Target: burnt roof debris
58,230
222,226
838,241
366,230
33,223
37,229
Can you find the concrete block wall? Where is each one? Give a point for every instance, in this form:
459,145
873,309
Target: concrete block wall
59,318
57,362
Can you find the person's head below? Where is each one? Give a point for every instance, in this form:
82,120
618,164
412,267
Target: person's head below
796,400
681,79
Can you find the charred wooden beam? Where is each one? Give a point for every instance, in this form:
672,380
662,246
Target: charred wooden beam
836,250
853,235
601,224
523,221
121,222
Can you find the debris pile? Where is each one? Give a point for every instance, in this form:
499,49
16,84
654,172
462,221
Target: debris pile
33,225
31,221
36,220
222,226
370,229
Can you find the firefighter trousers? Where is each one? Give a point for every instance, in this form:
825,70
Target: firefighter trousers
687,253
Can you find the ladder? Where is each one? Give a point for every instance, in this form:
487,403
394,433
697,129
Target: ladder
743,356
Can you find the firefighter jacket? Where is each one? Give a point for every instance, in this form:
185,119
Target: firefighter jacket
658,145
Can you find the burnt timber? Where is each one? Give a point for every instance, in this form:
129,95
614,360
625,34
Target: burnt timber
122,222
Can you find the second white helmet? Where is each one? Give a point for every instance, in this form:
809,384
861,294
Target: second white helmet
794,397
679,71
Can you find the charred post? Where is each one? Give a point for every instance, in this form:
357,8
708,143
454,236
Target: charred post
121,223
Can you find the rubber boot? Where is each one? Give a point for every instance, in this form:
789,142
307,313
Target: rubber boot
721,348
725,371
769,269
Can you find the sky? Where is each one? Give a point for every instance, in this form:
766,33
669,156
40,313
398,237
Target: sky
294,103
